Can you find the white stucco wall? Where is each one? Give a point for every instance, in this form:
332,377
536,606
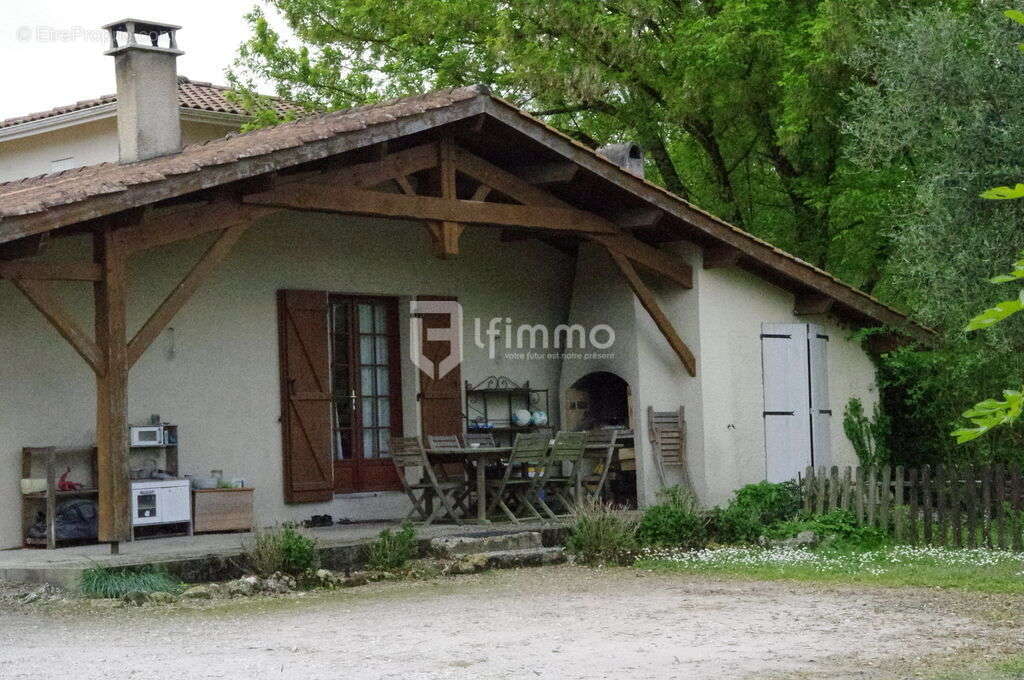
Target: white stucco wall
220,384
720,320
86,143
733,305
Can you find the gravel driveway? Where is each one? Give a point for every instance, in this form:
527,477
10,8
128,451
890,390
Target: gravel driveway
561,622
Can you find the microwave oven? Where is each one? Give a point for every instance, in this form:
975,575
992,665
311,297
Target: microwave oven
148,435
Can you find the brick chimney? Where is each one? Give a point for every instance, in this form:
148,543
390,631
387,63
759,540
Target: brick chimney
628,156
145,55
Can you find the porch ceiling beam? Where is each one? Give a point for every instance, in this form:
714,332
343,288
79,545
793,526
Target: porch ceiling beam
388,167
41,295
188,223
639,218
647,299
183,292
542,174
812,303
646,256
379,204
51,271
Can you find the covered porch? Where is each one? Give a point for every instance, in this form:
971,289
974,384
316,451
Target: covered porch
312,221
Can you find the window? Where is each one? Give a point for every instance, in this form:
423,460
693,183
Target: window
797,416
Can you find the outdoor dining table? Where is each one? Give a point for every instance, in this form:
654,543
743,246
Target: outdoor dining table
480,456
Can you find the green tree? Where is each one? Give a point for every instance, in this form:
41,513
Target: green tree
737,102
940,112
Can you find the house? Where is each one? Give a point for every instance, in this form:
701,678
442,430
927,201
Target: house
288,297
85,133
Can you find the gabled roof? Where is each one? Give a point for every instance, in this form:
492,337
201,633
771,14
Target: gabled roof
35,205
192,94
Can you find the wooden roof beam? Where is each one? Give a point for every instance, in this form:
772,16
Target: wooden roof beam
638,218
812,303
650,303
547,174
51,271
716,257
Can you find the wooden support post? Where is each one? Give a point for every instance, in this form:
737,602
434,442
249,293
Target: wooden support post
649,303
110,253
445,233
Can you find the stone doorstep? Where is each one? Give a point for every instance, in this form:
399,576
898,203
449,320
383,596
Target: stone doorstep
506,559
470,544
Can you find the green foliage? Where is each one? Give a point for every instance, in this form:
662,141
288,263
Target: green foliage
869,437
392,550
676,521
736,102
602,534
753,509
101,582
838,529
283,549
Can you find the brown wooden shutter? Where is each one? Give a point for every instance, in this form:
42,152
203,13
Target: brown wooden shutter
440,399
305,396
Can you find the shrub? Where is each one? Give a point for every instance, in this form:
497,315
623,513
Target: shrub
755,508
392,550
602,534
283,549
838,528
100,582
676,521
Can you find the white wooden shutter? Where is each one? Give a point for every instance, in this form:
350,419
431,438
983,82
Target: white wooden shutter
787,432
821,413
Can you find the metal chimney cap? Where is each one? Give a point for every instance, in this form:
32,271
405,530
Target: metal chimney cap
136,27
628,156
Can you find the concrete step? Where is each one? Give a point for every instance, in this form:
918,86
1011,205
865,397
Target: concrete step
487,542
506,559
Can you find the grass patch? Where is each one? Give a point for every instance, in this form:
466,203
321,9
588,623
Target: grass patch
282,549
1011,668
976,569
101,582
602,535
392,550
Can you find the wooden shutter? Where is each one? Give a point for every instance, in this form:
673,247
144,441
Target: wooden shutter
821,413
787,432
440,398
305,396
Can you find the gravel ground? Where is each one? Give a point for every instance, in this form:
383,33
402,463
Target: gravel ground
558,622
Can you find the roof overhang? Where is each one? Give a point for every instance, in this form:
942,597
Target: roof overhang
46,204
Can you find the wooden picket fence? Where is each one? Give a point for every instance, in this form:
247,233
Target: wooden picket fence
960,506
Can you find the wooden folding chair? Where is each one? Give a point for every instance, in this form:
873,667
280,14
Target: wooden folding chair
592,483
451,472
407,452
666,431
524,475
568,449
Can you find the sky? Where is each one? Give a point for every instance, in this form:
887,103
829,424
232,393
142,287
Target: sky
52,50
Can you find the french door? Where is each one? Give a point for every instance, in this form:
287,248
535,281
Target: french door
366,391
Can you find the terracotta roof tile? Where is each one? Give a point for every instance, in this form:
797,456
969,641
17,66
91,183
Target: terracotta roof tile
192,94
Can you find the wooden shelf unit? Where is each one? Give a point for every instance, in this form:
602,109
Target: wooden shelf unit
30,502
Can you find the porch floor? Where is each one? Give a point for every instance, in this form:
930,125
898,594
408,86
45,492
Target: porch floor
64,565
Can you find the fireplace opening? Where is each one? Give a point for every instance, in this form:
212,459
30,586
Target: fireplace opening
601,400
